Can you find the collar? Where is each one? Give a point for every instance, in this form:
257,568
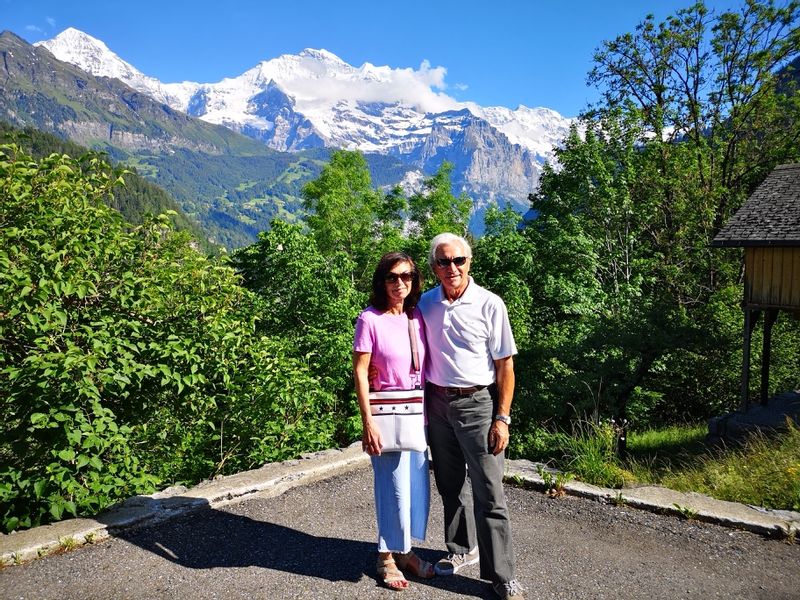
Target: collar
468,297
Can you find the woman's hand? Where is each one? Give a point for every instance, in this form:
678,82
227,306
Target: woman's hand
371,442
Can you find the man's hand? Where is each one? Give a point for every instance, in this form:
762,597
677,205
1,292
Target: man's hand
498,437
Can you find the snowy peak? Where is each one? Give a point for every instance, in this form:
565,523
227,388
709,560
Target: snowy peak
90,54
314,98
322,56
93,56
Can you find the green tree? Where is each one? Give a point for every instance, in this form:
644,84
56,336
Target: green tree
307,298
343,208
691,120
435,209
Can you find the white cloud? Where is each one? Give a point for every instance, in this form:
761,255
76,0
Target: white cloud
50,21
33,29
420,88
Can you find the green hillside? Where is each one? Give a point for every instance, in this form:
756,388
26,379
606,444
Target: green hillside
137,198
235,197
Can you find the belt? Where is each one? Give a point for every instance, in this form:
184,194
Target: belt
457,392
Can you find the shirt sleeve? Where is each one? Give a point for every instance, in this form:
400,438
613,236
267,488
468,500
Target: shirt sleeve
364,337
501,344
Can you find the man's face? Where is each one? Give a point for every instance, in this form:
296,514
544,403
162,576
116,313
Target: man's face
454,278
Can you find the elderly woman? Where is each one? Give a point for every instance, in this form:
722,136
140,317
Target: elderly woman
382,358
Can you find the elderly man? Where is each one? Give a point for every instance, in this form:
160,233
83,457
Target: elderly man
470,377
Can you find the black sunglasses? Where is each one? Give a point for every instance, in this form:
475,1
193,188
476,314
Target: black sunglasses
458,261
393,277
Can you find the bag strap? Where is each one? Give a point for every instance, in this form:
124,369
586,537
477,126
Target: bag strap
412,338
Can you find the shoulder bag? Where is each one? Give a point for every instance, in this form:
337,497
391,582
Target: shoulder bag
399,413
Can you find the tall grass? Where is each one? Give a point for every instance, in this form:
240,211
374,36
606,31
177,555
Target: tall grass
654,453
591,454
763,471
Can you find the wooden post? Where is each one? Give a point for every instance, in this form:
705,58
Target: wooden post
750,320
769,320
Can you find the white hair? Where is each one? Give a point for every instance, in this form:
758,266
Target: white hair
447,238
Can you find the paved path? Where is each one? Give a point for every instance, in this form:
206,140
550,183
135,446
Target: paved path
317,541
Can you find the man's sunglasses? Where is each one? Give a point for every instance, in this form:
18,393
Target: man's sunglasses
458,261
393,277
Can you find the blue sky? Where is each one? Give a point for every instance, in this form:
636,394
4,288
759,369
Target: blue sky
496,52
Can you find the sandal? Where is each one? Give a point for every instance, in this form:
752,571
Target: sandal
389,574
415,565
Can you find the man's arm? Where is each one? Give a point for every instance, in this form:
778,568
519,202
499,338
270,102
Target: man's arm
504,374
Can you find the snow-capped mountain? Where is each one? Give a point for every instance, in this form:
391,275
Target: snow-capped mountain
315,99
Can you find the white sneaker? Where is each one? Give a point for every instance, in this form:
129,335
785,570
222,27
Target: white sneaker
453,563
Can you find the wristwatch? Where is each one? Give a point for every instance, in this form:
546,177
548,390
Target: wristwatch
504,418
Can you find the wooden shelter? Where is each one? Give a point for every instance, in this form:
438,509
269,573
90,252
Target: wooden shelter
768,227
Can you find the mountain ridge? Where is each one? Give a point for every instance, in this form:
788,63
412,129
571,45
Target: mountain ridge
57,96
315,99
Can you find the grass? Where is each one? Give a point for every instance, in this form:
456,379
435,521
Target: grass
655,453
763,471
591,454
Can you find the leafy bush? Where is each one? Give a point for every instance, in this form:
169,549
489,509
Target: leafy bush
309,300
68,340
127,358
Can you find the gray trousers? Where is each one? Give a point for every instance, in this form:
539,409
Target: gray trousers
458,430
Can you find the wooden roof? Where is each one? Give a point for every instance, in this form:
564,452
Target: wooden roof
770,216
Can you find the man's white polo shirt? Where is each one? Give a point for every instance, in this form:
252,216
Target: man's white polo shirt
465,337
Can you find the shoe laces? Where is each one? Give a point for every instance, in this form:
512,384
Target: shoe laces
513,587
456,558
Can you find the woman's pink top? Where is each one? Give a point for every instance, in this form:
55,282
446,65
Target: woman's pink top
385,337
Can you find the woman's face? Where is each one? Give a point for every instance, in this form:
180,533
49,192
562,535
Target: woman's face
398,282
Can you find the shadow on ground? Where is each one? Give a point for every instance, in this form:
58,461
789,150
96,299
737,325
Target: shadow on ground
208,539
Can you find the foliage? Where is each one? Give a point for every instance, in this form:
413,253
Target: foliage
312,283
686,512
554,482
502,261
667,445
435,209
124,353
343,213
764,471
308,299
134,200
634,313
62,449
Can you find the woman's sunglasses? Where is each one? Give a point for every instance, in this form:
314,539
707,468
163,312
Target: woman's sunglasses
393,277
458,261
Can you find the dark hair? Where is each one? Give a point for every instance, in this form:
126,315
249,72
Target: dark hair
378,297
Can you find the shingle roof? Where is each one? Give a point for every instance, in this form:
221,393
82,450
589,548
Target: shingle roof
770,216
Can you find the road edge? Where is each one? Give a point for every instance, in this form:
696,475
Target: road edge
276,478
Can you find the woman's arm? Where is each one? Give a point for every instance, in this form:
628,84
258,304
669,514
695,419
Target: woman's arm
370,437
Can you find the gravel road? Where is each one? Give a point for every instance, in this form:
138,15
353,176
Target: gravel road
317,541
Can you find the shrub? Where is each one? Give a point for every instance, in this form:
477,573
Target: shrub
126,356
